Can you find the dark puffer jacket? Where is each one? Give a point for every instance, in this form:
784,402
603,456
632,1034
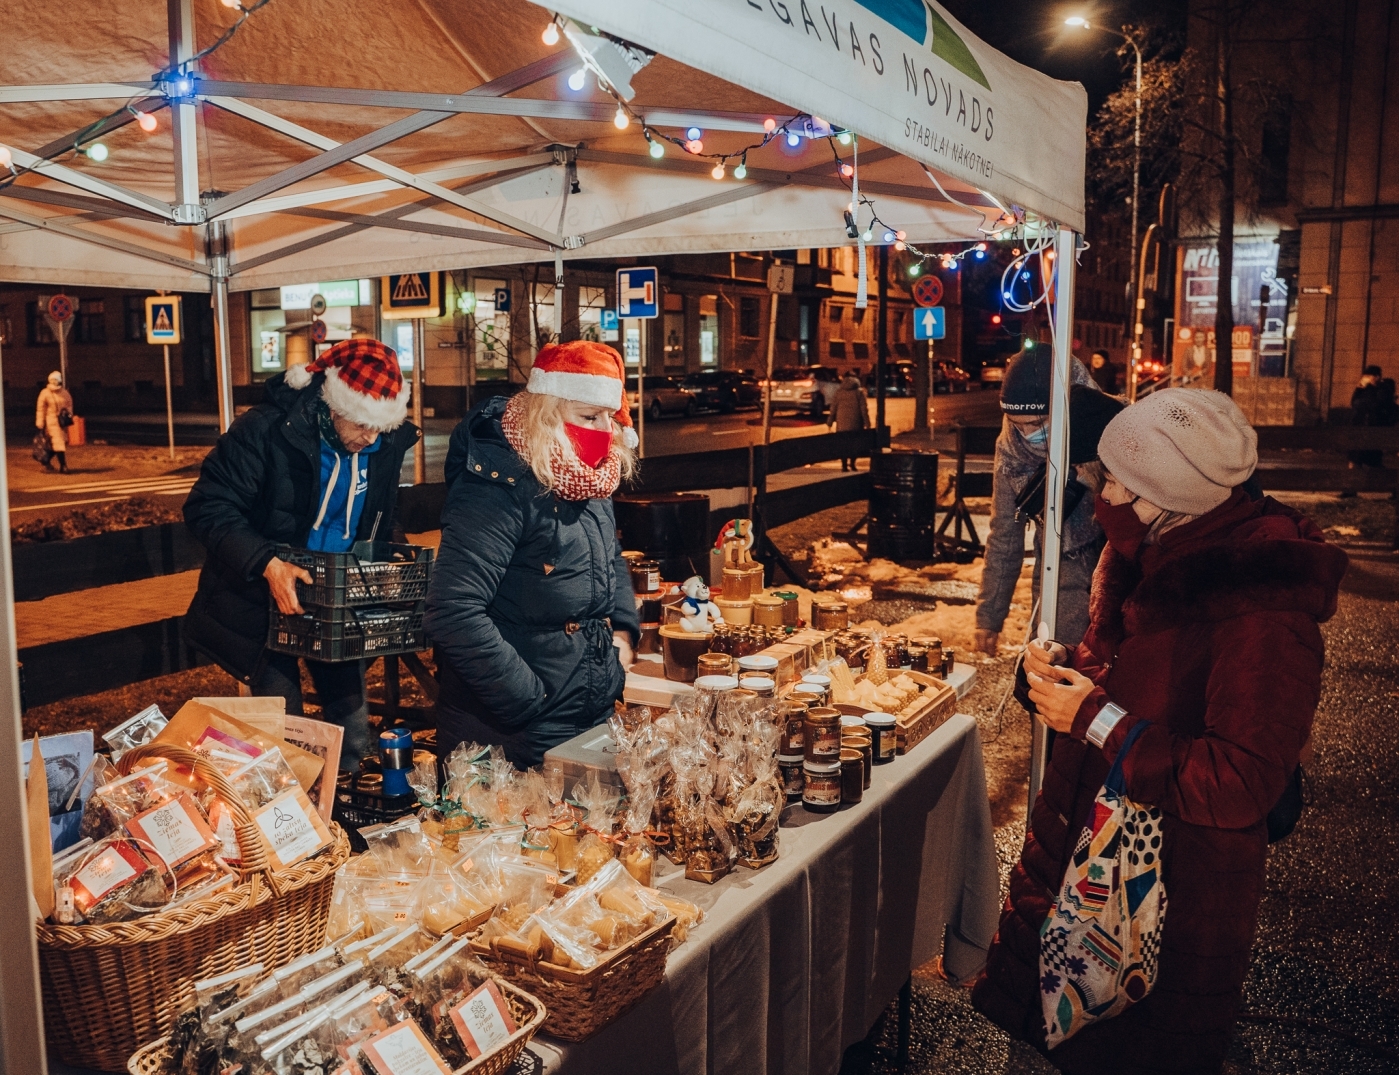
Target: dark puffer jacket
521,598
259,488
1213,641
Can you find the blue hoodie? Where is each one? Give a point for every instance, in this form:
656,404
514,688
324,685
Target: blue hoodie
342,499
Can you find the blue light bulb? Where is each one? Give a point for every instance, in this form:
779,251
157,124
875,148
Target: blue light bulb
694,133
889,236
793,140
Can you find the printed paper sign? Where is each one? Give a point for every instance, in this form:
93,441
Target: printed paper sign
292,828
115,866
483,1020
404,1050
174,829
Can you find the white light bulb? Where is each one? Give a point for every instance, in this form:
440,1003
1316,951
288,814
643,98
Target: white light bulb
657,150
6,157
621,120
844,138
97,151
741,172
718,172
576,80
868,236
793,139
551,34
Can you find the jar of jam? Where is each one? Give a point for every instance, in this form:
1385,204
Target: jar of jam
714,664
762,686
821,735
821,786
829,615
793,717
884,736
917,657
791,607
852,776
793,777
949,661
820,681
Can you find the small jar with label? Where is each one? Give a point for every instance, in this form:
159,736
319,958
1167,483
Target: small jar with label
852,776
759,663
884,736
793,718
821,786
714,664
767,610
853,725
793,779
863,745
791,607
818,679
949,661
821,735
807,694
715,683
762,686
917,657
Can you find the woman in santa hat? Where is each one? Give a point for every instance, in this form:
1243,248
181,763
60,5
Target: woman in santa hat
531,607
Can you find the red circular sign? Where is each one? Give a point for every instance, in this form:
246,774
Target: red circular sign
318,330
927,291
61,308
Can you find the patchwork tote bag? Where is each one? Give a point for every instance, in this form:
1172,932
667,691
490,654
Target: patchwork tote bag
1100,944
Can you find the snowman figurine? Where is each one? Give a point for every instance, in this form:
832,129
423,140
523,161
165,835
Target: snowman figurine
698,613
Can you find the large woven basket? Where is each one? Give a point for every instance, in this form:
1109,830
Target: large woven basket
151,1060
582,1002
110,989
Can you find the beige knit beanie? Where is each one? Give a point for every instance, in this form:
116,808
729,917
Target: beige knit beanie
1183,449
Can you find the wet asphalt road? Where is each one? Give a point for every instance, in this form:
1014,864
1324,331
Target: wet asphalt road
1323,990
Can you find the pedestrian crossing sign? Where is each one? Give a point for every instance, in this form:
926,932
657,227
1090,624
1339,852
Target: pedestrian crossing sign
410,294
162,319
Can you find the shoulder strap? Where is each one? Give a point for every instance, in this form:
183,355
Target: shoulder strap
1114,782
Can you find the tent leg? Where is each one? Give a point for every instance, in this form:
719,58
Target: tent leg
1057,474
21,1014
420,446
216,241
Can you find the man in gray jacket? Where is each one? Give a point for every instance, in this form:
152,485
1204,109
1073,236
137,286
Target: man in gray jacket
1021,452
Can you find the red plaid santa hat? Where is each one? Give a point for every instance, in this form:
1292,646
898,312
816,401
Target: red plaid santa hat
585,372
362,383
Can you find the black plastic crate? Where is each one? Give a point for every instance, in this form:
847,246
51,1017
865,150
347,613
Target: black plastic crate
371,573
360,801
348,634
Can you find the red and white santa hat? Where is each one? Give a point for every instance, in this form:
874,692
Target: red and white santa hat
584,372
362,383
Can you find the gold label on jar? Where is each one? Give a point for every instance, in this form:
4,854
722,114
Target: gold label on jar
888,741
825,742
822,790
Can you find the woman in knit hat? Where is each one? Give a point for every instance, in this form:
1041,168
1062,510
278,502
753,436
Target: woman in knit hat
1204,628
531,607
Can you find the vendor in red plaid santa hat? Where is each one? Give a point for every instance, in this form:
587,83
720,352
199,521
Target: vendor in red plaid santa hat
531,607
314,466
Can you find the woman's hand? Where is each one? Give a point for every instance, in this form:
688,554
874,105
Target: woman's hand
1056,691
622,640
1041,658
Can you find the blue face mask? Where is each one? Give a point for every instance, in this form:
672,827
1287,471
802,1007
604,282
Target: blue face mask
1038,438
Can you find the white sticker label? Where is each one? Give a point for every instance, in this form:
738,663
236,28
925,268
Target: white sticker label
105,872
286,825
174,830
482,1020
404,1051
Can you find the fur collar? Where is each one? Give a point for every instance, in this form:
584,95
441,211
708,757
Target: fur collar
1273,561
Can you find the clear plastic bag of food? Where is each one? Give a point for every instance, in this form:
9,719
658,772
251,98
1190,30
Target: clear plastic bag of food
307,1049
522,886
448,900
360,1016
390,901
115,880
308,968
261,780
135,731
399,847
113,804
423,779
599,803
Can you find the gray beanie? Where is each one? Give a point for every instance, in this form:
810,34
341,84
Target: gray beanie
1183,449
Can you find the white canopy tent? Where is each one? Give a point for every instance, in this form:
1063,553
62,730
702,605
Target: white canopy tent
303,140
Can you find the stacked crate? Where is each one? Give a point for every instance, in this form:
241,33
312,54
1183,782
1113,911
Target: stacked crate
367,602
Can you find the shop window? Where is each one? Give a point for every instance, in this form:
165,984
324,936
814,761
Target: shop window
491,329
591,302
269,344
749,318
39,333
6,329
709,330
862,351
91,321
674,348
835,313
134,319
836,348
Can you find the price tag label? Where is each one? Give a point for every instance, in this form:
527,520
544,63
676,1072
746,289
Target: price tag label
292,828
483,1020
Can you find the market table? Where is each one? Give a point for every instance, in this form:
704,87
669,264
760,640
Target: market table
796,961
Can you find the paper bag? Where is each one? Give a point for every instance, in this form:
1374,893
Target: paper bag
194,718
40,849
268,715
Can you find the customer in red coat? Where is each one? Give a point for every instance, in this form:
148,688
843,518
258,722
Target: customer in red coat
1205,608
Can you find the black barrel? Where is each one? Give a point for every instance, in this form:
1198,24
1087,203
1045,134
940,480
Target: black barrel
903,504
670,527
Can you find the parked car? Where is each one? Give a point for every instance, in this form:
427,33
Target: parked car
801,388
724,390
898,379
950,377
664,395
993,373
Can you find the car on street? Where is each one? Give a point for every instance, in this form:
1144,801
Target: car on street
664,395
993,372
724,390
898,379
804,388
949,377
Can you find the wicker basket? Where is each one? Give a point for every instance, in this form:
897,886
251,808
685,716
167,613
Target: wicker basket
151,1059
581,1003
108,989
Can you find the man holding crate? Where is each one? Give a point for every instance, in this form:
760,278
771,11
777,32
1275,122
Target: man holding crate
315,466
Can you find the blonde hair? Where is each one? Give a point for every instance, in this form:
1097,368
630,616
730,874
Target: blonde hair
541,420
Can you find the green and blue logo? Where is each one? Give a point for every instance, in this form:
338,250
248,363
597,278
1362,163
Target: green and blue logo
920,21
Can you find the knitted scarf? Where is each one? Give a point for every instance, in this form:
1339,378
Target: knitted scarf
572,480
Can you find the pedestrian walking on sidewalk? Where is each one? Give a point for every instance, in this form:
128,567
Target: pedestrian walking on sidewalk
53,414
849,411
1206,608
315,466
1021,454
531,606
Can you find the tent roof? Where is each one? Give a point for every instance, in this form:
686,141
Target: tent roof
485,177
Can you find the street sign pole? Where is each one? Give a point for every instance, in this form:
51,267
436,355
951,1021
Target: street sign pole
638,297
169,405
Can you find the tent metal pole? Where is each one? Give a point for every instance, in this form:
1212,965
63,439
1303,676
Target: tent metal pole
21,1012
1056,474
184,126
419,361
216,240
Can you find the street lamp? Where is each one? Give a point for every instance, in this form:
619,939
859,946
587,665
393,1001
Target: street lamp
1136,304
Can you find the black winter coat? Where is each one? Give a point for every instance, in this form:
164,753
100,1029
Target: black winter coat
259,488
523,589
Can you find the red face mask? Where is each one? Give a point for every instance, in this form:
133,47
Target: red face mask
1123,527
592,445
